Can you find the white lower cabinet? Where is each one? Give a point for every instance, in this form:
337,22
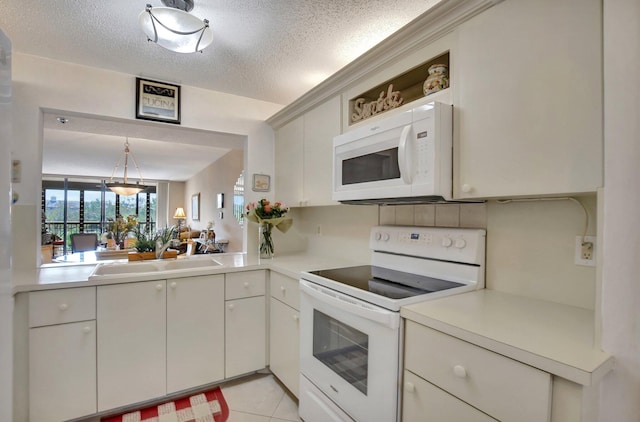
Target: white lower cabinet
245,322
195,331
284,344
62,371
468,377
132,343
245,342
424,401
62,354
284,330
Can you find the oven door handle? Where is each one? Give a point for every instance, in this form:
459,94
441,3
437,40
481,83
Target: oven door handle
351,305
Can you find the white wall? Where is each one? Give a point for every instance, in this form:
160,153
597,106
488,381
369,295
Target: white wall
42,83
531,246
177,198
219,177
620,300
6,300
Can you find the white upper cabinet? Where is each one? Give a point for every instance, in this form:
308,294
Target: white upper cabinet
528,100
321,125
288,169
304,156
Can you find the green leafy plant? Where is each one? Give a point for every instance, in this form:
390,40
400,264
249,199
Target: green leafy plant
145,241
166,234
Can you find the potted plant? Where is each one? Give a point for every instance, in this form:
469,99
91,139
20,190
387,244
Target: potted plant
145,245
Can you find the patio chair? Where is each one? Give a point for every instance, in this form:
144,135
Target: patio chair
81,242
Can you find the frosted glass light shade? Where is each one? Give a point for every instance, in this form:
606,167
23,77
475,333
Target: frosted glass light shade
175,29
180,213
125,189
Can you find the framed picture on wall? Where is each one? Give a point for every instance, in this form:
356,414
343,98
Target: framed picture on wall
195,207
261,183
157,101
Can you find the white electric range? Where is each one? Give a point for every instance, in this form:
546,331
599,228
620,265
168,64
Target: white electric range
350,325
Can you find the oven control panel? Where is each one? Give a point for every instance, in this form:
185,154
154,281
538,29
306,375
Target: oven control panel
450,244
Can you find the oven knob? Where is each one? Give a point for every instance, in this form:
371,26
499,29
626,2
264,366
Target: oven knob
460,243
446,242
385,237
377,236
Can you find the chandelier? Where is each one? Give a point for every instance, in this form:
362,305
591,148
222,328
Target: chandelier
125,188
173,28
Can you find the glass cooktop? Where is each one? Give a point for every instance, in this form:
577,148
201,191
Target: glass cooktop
386,282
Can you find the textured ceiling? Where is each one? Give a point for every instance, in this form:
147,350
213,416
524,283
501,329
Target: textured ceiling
268,50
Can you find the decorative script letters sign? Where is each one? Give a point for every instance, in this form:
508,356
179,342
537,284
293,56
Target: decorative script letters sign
386,101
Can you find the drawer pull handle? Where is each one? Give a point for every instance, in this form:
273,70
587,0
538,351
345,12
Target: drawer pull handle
173,284
246,284
63,306
459,371
296,318
231,306
409,387
158,287
282,289
86,329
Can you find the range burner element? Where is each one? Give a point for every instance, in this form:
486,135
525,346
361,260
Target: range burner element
386,282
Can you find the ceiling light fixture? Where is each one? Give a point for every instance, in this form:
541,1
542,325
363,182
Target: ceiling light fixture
173,28
125,188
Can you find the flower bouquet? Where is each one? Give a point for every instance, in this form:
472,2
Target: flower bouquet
268,216
120,228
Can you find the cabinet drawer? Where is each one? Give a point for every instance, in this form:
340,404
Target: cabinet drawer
52,307
285,289
245,284
424,401
501,387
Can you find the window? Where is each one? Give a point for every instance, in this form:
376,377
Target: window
83,207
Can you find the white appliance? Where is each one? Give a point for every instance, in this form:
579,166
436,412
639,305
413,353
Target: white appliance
350,325
406,157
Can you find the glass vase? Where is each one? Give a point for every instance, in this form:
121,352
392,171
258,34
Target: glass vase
265,241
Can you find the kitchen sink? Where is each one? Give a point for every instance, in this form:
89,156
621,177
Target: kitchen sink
185,264
113,270
128,268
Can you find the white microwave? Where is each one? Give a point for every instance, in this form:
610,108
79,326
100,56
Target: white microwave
405,158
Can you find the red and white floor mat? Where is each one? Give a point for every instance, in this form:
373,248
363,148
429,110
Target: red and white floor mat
209,406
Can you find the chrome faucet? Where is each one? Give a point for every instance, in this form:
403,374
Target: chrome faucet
160,248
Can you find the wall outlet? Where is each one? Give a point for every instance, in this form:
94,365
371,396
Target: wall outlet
585,251
318,230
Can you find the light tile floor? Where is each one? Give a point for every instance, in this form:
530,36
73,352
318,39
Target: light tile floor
259,398
255,398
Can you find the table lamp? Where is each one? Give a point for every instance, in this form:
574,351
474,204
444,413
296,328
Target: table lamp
180,215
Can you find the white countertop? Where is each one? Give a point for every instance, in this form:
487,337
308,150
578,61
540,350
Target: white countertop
77,275
553,337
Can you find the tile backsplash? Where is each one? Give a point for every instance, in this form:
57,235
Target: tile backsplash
473,215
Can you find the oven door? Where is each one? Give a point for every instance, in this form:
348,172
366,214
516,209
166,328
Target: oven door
349,349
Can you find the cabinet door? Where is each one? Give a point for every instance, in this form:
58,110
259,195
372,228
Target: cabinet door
131,343
245,336
320,126
529,100
288,161
195,332
62,371
422,401
284,344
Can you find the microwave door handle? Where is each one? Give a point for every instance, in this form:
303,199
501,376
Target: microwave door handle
404,161
353,306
